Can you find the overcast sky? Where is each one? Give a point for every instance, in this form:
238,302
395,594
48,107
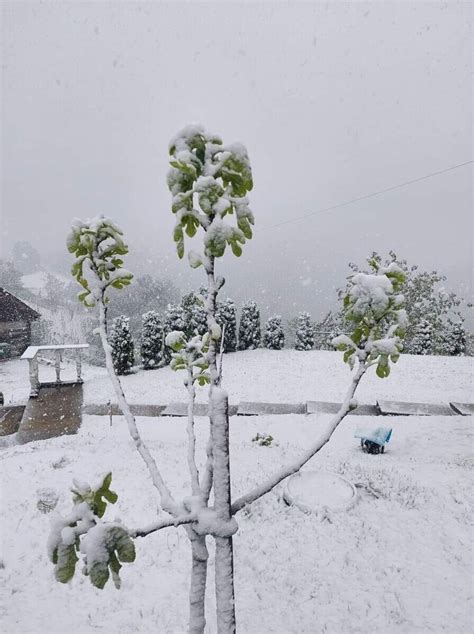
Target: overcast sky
333,100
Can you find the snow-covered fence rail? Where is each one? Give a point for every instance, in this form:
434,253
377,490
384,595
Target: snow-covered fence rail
31,355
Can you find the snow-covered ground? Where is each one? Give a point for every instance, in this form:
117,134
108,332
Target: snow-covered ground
289,376
398,561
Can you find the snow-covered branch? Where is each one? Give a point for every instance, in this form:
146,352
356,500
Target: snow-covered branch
269,484
166,500
99,243
167,522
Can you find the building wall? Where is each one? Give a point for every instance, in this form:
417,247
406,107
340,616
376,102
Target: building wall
17,334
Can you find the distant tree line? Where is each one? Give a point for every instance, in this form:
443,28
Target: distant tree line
436,324
146,311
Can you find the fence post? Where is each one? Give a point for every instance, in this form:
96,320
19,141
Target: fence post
79,366
34,377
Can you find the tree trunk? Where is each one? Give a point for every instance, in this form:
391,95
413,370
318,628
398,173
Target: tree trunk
197,591
225,599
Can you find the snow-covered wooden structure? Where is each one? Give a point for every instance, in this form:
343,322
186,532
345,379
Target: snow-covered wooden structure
15,323
31,355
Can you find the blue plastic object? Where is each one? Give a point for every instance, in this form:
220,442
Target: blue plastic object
373,440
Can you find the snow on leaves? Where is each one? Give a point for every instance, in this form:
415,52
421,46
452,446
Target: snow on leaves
104,545
190,355
208,182
374,305
98,244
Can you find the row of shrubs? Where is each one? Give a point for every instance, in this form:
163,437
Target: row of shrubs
190,317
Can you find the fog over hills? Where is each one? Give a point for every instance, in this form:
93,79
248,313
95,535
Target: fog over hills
93,92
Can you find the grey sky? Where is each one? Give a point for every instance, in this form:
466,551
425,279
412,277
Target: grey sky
333,101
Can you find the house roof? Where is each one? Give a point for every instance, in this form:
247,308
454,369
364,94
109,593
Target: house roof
14,309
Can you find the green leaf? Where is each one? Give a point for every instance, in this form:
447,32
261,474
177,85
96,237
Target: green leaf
382,370
66,562
236,249
99,574
125,547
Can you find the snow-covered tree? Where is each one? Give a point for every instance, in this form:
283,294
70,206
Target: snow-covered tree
422,339
250,336
208,181
452,341
194,313
227,320
324,331
121,342
426,299
304,339
274,337
152,340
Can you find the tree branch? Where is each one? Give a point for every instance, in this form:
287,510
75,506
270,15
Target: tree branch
166,499
284,473
164,523
193,470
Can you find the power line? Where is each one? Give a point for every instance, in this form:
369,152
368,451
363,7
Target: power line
378,193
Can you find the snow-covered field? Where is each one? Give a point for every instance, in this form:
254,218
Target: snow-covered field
289,376
398,561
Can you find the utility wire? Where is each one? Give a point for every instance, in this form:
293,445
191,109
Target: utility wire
382,191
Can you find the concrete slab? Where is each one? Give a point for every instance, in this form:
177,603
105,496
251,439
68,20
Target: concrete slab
263,409
181,409
137,410
152,411
465,409
322,407
10,418
56,411
400,408
147,410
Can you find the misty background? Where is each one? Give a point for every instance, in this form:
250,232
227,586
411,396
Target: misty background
334,101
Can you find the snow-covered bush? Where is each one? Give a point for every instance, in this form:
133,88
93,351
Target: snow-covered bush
273,336
263,440
227,320
121,342
422,339
453,339
304,339
194,313
250,336
152,340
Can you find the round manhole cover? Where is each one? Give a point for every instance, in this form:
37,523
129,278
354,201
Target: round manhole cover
313,491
